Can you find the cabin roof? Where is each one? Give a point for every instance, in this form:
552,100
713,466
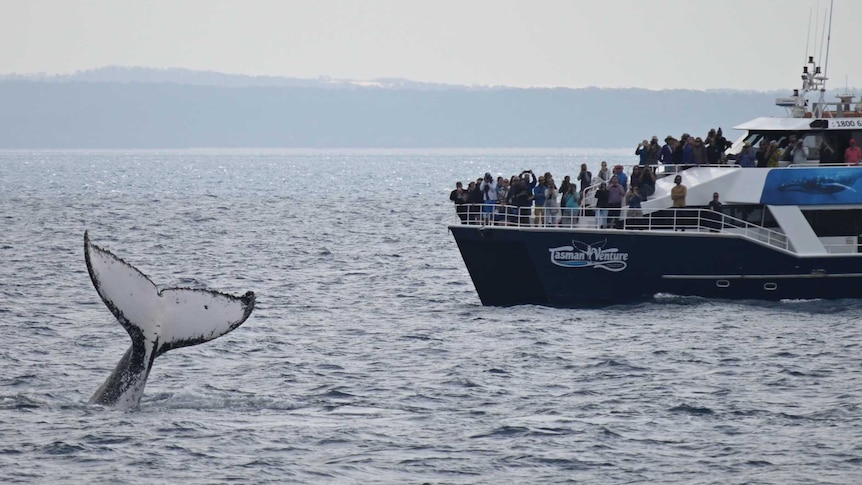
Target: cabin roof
767,123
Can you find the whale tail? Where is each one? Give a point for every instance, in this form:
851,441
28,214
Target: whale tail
157,320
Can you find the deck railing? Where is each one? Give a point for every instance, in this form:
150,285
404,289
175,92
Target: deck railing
659,170
683,219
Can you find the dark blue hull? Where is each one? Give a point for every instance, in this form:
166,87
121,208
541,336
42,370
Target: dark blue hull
579,268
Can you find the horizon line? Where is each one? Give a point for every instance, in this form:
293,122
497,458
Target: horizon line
378,82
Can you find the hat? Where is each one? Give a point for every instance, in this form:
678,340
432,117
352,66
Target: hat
618,167
655,138
668,138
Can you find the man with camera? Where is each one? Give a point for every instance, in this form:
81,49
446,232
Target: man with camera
489,190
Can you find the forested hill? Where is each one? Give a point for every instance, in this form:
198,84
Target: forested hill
159,113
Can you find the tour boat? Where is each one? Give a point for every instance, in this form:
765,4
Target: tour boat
786,232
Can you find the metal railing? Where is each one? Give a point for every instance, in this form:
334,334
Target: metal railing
659,170
681,219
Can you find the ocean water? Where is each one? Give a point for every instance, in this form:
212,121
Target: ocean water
369,358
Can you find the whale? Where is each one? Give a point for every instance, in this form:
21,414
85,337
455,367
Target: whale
157,320
819,185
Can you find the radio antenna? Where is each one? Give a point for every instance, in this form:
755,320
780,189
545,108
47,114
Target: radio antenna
828,40
820,56
820,103
808,37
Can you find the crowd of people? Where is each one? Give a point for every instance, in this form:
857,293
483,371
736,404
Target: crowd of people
774,153
687,150
528,199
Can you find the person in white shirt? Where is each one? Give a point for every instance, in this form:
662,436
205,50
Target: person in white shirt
799,152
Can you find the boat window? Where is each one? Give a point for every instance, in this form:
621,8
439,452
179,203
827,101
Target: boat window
755,214
833,139
812,142
754,139
839,140
830,223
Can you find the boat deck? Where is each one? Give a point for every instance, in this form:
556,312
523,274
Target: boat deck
685,220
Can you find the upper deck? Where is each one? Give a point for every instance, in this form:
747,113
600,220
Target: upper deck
785,197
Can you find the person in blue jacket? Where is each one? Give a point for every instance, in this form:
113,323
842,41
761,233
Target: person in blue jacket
539,201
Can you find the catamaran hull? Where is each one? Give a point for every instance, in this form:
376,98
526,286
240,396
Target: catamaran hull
582,268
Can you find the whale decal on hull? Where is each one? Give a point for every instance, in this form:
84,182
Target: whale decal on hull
157,320
819,185
812,186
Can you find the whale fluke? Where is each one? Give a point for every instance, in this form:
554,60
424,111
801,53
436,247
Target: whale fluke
156,320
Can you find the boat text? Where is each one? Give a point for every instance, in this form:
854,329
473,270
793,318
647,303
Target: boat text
595,255
845,123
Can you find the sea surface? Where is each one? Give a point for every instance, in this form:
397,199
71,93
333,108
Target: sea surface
368,358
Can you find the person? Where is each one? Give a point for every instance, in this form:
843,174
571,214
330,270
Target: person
633,200
773,154
715,204
564,187
502,197
570,206
747,156
604,175
489,197
688,152
679,149
760,155
549,181
521,200
621,176
646,187
678,192
653,151
643,152
502,190
714,217
717,144
787,146
539,197
616,193
699,155
459,197
585,177
852,154
552,207
826,152
602,205
710,136
666,154
799,153
474,202
635,178
677,195
511,209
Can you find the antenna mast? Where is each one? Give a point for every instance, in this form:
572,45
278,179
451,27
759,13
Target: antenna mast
820,103
808,37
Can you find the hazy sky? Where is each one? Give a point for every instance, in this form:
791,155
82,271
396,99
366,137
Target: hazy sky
656,44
